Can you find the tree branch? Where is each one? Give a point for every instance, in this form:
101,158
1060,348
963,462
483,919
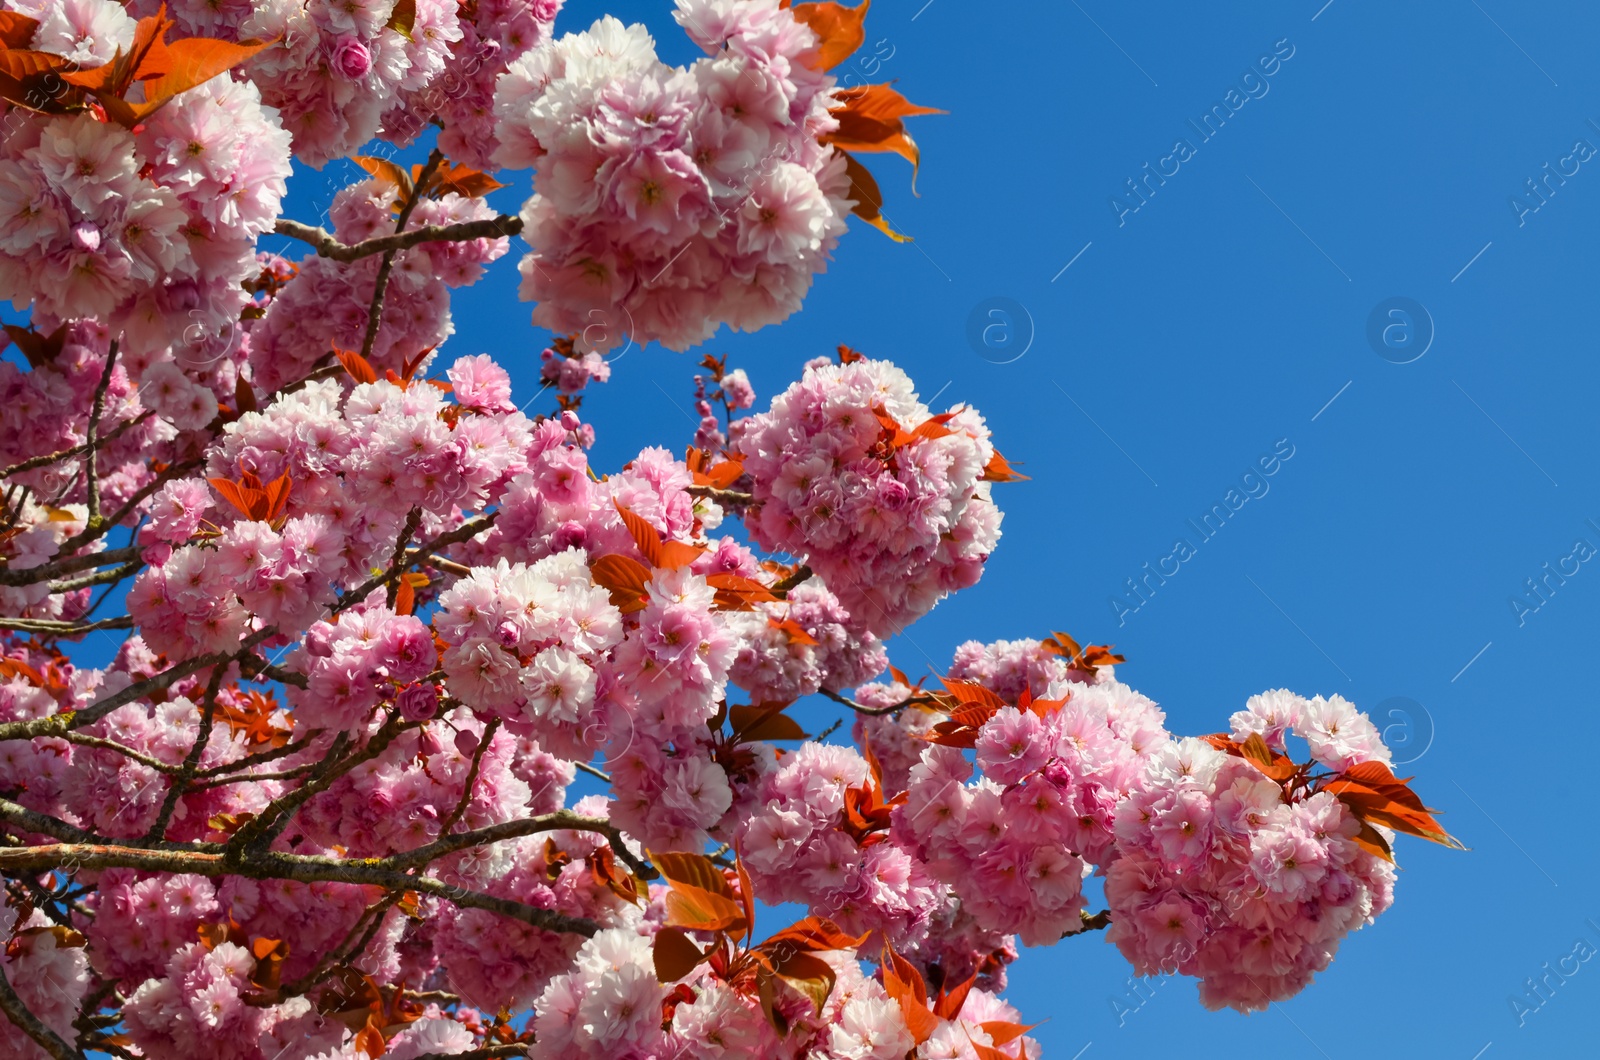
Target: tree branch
273,865
876,712
375,310
327,246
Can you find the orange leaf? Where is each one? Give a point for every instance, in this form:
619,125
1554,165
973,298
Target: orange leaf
869,119
968,693
700,899
796,632
277,496
668,555
838,28
1372,841
849,356
625,577
948,1004
405,598
1002,1032
903,983
735,592
810,975
998,470
763,723
358,367
1375,795
814,933
465,182
194,61
386,171
241,497
16,30
675,955
369,1039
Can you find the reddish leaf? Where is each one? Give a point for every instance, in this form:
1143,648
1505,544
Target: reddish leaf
811,976
675,955
870,120
968,693
763,723
626,579
405,598
358,367
998,470
814,934
244,399
1002,1033
1375,795
22,64
838,28
849,356
277,497
1371,840
747,890
700,899
903,983
948,1004
386,171
738,593
403,17
241,498
369,1039
16,30
193,61
463,181
796,632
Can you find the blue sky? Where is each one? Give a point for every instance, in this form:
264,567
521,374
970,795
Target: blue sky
1175,345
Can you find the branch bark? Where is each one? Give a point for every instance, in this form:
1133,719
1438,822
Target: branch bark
327,246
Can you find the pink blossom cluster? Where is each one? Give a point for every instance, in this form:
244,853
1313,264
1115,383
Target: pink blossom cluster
892,527
491,962
333,69
1017,843
797,849
525,642
777,666
326,305
49,970
669,201
1223,876
150,231
107,791
202,1006
494,33
571,370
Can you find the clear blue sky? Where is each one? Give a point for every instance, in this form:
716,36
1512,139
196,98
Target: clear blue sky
1227,313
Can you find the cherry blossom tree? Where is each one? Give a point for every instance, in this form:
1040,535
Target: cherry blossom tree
375,619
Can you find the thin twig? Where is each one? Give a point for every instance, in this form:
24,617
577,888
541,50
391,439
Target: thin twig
375,310
91,442
874,712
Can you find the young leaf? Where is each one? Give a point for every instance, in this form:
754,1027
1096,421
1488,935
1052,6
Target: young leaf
403,17
998,470
675,955
193,61
738,593
810,975
358,367
869,119
763,723
1375,795
386,171
904,985
16,30
814,934
626,579
838,28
